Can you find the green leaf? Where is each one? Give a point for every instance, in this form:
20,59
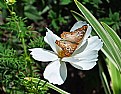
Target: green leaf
107,20
108,55
2,4
115,77
65,2
104,79
77,15
113,35
52,14
44,10
104,35
31,12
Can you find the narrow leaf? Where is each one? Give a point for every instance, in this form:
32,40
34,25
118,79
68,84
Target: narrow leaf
115,77
104,79
77,16
113,34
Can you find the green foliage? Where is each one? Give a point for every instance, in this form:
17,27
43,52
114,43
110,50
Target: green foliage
2,4
35,88
65,2
95,3
16,38
115,77
12,68
113,20
103,78
41,83
56,20
15,65
37,42
31,11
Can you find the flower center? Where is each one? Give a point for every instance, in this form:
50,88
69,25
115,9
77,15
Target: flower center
62,54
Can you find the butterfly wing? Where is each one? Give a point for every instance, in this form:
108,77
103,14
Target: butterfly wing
67,47
70,41
75,36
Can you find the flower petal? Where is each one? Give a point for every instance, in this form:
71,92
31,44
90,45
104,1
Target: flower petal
50,38
43,55
84,65
76,66
77,25
80,48
63,71
70,59
94,43
88,56
88,32
56,72
83,57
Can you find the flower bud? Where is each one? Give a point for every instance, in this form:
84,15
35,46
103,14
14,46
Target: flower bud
10,2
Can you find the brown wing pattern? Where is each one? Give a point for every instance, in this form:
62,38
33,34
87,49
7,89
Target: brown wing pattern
70,41
67,47
75,36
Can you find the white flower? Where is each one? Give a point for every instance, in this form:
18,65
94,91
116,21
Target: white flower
83,58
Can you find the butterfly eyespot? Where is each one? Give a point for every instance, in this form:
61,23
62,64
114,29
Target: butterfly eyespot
70,40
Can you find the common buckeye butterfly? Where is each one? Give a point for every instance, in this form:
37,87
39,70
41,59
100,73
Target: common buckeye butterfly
70,41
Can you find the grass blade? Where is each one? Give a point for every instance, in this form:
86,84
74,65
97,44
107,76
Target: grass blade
104,79
113,34
115,77
77,16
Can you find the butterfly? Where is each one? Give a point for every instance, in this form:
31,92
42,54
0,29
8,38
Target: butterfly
70,40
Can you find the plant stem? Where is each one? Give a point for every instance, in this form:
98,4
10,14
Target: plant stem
56,88
24,46
27,58
36,80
